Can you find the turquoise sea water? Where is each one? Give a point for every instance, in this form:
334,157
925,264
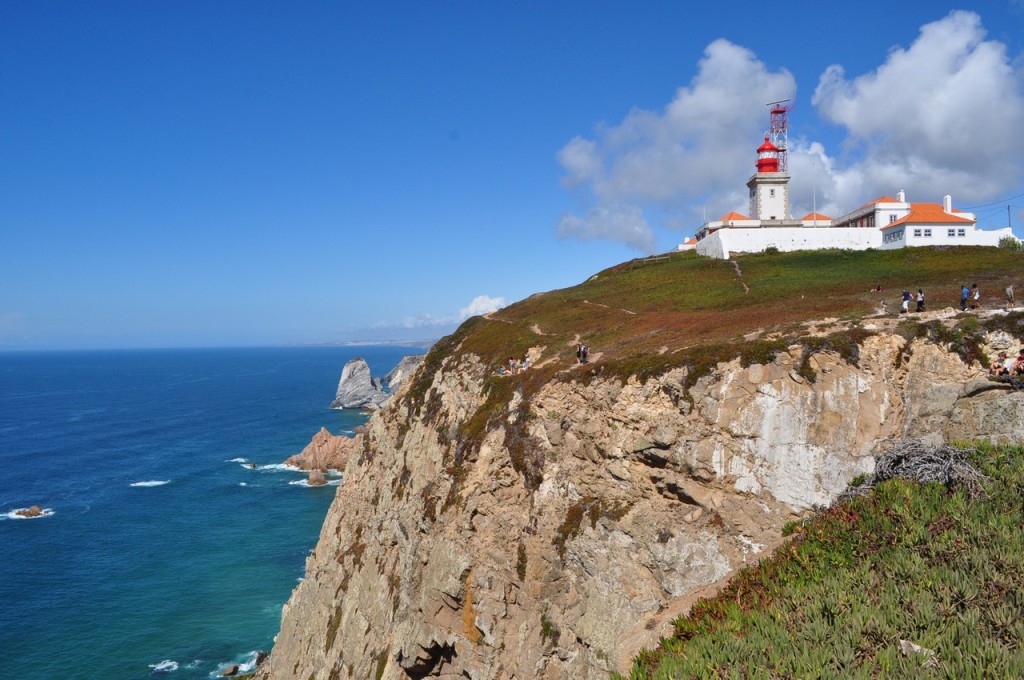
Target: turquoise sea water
163,556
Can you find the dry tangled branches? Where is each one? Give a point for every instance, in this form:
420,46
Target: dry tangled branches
913,460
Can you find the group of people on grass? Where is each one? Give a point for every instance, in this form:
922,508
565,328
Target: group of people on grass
969,298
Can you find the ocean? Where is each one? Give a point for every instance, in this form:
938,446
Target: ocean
162,554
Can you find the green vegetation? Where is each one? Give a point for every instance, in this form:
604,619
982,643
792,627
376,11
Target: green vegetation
1011,243
549,632
923,563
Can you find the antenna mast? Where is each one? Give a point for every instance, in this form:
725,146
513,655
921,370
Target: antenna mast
778,131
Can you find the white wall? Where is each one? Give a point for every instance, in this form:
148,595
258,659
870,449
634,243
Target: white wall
725,241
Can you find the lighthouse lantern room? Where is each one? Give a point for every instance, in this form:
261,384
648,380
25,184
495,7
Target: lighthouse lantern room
769,187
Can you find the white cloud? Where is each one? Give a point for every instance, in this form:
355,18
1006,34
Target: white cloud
945,115
481,304
619,222
657,161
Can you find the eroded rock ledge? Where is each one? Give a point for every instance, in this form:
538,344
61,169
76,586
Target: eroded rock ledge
560,542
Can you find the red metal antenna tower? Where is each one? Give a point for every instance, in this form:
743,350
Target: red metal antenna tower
778,131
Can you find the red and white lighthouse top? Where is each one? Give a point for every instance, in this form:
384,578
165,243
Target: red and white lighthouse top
767,157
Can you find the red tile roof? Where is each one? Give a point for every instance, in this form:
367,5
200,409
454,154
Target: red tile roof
732,216
815,216
928,213
691,242
880,199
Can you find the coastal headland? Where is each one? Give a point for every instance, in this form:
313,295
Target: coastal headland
553,521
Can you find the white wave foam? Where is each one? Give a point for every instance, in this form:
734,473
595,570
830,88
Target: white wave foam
278,467
165,666
305,482
242,484
237,460
195,664
151,482
13,514
250,663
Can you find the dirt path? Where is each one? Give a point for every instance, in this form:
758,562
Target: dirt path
598,304
739,275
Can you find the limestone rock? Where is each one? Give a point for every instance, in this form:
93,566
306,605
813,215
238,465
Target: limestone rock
32,511
356,389
316,478
405,368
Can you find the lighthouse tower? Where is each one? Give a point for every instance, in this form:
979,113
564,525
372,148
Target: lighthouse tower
769,187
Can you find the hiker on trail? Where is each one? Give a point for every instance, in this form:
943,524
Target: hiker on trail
586,353
920,300
579,353
975,296
1009,298
906,302
965,295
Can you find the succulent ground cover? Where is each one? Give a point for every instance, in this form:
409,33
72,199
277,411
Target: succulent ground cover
908,580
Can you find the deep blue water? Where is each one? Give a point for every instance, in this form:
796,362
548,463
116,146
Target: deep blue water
171,580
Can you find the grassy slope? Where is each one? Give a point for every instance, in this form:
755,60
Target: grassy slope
689,300
908,562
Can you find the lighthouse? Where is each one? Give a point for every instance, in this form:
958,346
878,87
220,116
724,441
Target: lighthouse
769,187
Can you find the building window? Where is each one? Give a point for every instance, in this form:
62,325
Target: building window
951,233
892,218
771,193
927,233
961,233
917,233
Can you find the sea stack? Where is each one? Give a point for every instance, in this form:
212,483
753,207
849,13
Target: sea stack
357,389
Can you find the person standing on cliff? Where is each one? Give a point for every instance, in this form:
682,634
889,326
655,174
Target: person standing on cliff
1009,298
975,296
579,352
920,300
905,306
965,295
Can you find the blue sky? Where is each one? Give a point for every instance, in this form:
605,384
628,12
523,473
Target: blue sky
250,173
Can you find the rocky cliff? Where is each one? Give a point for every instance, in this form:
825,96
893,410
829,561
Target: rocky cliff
510,527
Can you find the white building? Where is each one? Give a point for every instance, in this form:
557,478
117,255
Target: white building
884,223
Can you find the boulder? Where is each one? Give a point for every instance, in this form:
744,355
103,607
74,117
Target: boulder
325,452
356,389
316,478
229,671
34,511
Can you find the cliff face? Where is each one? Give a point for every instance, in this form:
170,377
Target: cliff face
561,541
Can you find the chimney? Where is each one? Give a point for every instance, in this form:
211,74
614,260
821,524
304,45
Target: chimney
901,196
947,203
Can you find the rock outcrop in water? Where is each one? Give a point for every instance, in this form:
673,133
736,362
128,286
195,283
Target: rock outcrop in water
561,542
358,389
325,452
